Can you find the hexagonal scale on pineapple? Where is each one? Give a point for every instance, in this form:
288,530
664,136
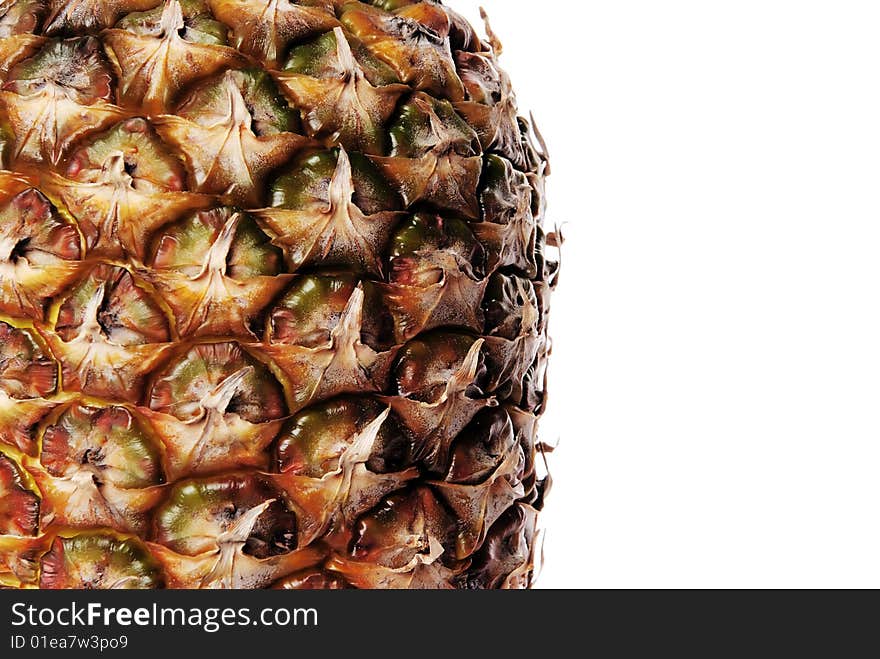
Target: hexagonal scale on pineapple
515,336
110,442
481,447
184,387
425,124
491,106
265,28
509,229
78,16
511,307
98,468
232,531
217,271
122,186
310,310
26,370
20,420
315,440
109,335
431,15
128,314
414,248
317,218
155,58
336,97
20,561
234,129
436,267
19,506
99,561
198,514
216,408
55,97
342,365
39,252
418,54
438,381
337,460
485,477
426,365
212,433
405,531
436,158
199,25
509,554
441,19
319,58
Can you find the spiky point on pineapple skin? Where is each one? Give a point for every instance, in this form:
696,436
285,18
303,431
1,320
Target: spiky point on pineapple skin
273,298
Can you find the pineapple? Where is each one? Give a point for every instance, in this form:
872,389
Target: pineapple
273,298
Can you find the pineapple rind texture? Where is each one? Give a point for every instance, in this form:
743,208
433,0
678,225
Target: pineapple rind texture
274,298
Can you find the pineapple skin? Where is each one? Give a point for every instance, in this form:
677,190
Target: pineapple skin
273,298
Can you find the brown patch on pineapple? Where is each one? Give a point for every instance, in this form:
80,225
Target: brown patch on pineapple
332,231
265,28
509,230
509,555
491,107
508,360
342,104
155,65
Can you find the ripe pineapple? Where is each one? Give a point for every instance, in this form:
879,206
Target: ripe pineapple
273,298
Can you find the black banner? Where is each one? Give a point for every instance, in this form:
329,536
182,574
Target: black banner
423,624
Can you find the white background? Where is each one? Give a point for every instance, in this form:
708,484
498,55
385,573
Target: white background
716,375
